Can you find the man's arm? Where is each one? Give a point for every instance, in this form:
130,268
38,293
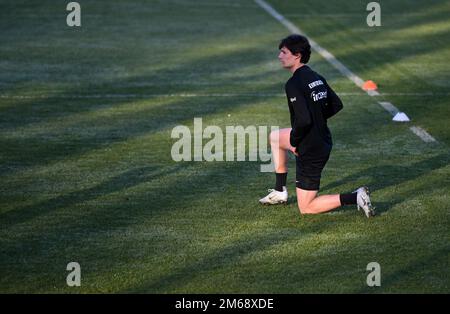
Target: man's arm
301,122
334,103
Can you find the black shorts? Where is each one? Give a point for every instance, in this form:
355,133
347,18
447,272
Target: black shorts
309,171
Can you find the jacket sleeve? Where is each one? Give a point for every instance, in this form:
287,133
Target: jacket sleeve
300,115
334,103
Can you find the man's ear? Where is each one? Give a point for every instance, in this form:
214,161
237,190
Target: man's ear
298,56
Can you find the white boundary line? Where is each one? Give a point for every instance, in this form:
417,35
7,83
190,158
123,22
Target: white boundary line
389,107
422,134
338,65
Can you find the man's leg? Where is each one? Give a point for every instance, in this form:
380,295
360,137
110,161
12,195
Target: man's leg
308,183
279,142
309,203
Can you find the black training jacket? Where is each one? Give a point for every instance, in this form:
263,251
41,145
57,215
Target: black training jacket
311,102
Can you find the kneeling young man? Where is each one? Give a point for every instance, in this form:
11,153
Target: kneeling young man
311,102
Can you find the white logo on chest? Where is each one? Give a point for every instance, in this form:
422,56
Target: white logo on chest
317,96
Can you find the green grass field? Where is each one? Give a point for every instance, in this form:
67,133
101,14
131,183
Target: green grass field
86,173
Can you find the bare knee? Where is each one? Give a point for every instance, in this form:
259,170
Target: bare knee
305,209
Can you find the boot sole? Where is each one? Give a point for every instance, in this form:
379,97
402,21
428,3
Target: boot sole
279,203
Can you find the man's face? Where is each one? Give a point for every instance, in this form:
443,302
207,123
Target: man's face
287,59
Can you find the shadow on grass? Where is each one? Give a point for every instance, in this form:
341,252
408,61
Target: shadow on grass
125,180
167,199
69,233
223,257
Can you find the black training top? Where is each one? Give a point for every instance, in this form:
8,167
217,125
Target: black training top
311,102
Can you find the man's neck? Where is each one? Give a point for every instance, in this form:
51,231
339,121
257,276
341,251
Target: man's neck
296,67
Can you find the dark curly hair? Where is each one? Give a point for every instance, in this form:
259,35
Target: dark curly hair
297,44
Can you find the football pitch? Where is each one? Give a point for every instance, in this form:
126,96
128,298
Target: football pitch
87,175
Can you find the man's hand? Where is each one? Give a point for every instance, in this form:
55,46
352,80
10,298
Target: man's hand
294,150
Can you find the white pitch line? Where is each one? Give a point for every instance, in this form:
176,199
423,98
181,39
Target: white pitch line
389,107
334,62
424,135
373,93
